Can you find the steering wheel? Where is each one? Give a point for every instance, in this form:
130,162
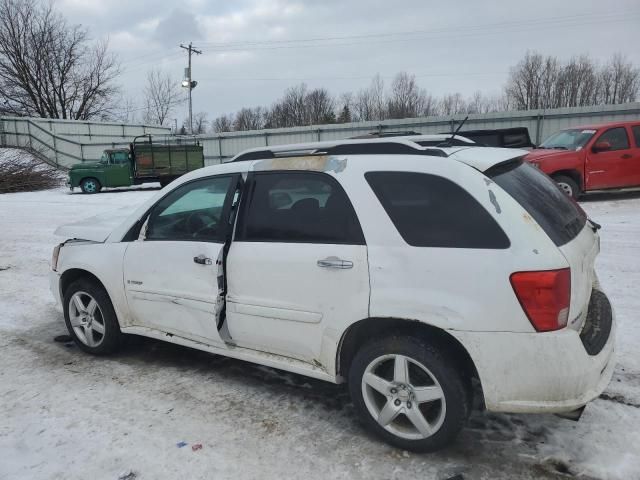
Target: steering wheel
199,221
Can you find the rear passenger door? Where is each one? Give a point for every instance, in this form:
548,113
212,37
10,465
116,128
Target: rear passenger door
297,268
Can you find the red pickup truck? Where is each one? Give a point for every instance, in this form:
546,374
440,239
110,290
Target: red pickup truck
591,157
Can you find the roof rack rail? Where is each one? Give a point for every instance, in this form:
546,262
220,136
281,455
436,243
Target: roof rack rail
386,133
374,148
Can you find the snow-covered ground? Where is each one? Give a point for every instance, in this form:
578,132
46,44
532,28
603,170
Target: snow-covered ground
67,415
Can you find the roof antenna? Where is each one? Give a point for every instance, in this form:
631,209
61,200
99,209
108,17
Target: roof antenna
449,141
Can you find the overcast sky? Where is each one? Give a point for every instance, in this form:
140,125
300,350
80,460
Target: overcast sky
254,49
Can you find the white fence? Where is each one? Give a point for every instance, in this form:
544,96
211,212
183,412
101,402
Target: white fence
65,142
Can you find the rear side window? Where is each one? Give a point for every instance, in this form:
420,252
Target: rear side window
298,207
432,211
559,216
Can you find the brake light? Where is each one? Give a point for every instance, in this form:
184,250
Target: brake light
545,297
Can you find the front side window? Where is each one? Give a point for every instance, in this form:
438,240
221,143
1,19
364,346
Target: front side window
120,157
191,212
432,211
299,207
616,137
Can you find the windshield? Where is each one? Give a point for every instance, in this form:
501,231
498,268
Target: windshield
573,139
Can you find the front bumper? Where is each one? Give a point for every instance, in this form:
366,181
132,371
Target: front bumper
540,372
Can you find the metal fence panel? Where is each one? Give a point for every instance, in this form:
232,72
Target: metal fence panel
68,142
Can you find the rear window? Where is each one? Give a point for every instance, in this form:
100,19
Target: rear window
432,211
559,216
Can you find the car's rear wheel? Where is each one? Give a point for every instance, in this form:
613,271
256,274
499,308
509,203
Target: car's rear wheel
408,392
90,317
568,185
90,185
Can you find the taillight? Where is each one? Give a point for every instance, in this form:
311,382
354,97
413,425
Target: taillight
544,296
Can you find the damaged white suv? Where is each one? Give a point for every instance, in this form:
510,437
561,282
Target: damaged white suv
408,272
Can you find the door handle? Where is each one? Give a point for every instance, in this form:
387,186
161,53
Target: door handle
335,262
202,260
627,155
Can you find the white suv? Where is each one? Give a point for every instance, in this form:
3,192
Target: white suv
411,273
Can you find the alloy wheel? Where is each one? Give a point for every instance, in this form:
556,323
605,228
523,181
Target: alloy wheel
86,319
403,396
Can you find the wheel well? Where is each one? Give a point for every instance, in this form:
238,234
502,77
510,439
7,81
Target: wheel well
572,174
374,328
74,274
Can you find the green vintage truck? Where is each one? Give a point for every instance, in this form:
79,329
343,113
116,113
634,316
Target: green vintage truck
144,161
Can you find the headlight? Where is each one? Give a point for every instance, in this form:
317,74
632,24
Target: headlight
54,257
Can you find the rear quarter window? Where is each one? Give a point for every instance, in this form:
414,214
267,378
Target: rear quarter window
559,216
432,211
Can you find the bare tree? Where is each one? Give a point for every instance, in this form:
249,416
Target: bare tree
346,106
249,119
406,99
451,104
125,110
319,106
544,82
49,68
161,95
223,123
620,81
200,123
370,103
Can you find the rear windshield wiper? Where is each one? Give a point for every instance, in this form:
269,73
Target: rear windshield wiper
594,226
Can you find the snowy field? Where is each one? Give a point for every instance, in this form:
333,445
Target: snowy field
67,415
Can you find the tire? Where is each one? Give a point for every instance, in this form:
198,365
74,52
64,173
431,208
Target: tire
90,185
568,185
429,368
94,328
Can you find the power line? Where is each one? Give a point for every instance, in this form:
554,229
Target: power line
457,30
357,77
457,35
497,28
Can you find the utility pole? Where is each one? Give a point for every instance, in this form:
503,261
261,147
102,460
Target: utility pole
189,83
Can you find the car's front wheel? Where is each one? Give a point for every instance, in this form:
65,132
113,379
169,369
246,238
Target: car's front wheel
568,185
408,392
90,185
90,317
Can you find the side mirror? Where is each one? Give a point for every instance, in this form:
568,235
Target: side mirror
601,147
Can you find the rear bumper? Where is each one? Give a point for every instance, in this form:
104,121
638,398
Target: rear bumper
539,372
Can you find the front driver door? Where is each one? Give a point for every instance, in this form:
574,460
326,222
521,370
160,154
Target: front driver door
118,172
612,168
173,276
